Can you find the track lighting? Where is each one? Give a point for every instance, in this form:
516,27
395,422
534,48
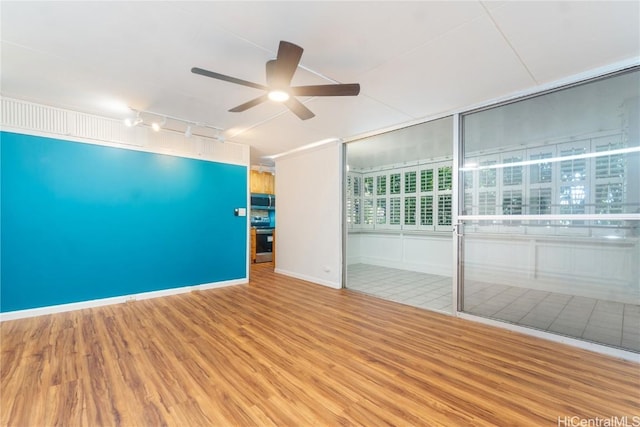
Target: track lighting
161,120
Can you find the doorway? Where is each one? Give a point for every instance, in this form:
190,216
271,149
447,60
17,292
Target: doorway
399,198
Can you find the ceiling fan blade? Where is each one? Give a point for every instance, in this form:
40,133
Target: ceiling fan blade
219,76
287,61
272,77
349,89
249,104
298,108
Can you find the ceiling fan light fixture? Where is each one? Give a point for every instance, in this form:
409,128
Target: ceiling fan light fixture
279,74
278,95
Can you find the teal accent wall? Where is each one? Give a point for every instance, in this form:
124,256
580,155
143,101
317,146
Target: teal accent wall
81,222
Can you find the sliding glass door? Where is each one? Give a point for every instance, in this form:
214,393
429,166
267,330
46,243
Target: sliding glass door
550,211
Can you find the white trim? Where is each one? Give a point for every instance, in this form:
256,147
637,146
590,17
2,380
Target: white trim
311,279
549,336
40,311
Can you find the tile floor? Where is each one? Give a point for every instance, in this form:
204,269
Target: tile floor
605,322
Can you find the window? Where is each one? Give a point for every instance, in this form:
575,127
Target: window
610,183
410,210
381,211
406,198
512,184
368,212
512,202
410,182
572,182
410,201
609,198
381,185
468,205
444,209
488,183
445,178
487,203
368,186
356,185
426,180
488,176
540,201
427,192
540,172
394,211
512,175
573,178
609,166
445,186
395,183
426,210
353,200
356,212
357,191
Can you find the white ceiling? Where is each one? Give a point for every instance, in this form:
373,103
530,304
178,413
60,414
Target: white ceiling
413,60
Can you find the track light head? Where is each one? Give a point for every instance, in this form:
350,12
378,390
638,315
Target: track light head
156,126
129,122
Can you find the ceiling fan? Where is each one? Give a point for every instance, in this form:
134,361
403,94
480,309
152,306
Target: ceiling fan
278,88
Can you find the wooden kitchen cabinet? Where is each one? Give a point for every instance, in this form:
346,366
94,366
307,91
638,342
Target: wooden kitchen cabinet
253,244
262,182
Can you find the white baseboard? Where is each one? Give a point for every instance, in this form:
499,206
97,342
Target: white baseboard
61,308
311,279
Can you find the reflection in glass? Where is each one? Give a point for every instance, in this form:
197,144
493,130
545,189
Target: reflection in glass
570,161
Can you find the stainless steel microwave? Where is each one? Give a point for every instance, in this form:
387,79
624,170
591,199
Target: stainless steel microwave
263,201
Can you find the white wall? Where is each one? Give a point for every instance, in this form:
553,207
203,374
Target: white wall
426,253
308,215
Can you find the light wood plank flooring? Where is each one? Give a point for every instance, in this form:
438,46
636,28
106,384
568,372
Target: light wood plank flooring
284,352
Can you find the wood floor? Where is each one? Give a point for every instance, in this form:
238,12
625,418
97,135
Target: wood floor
283,352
